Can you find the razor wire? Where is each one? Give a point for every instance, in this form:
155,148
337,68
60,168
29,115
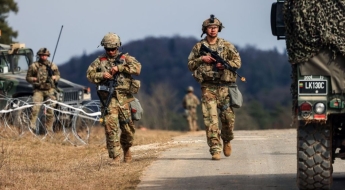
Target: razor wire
75,122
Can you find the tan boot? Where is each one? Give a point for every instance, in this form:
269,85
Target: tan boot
116,160
127,155
226,148
216,156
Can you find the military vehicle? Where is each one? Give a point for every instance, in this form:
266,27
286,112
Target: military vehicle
15,60
314,34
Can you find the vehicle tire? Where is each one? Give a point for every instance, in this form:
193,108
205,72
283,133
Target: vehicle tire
314,156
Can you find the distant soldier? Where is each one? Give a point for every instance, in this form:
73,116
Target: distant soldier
215,81
190,102
118,116
43,75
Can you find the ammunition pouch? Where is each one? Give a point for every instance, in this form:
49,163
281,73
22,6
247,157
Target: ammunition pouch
227,76
136,109
197,75
43,86
134,86
102,88
201,76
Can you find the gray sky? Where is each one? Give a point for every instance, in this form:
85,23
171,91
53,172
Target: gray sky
85,22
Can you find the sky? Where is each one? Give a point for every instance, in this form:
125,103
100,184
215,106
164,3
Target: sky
85,22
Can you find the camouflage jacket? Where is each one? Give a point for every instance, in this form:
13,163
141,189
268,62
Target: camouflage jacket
204,72
40,71
129,66
190,101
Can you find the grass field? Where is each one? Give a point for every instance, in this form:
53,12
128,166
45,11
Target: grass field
28,162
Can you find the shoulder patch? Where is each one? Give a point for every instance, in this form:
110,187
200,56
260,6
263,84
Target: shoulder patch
103,59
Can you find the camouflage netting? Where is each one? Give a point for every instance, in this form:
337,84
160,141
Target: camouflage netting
312,25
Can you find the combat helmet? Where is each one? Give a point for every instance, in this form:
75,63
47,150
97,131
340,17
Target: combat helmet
43,51
211,21
190,89
111,40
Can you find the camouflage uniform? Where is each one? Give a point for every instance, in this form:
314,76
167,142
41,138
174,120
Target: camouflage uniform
190,103
119,114
44,87
215,93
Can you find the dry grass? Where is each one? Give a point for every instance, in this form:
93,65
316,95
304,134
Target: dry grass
28,162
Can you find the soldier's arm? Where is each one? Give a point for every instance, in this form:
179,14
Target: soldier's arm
92,75
31,75
130,66
233,56
56,72
194,58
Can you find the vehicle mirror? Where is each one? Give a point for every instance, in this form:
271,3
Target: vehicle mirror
277,20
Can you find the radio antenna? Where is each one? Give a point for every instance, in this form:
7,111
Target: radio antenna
57,43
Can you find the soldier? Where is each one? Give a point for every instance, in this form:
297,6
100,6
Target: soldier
214,86
118,115
190,102
43,75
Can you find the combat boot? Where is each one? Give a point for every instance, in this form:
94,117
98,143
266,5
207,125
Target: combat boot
226,148
116,160
127,158
216,156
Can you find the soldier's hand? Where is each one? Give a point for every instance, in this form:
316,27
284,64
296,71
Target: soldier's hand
53,77
219,66
114,70
207,59
34,79
107,75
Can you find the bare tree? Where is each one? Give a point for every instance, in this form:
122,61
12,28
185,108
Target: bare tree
159,107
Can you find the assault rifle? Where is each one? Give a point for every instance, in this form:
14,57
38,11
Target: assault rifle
214,54
50,74
108,87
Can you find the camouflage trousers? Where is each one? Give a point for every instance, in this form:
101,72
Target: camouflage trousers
192,119
38,97
118,121
216,97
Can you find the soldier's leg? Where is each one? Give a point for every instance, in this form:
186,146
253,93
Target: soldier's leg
37,99
127,131
227,115
112,130
190,122
210,116
49,111
227,118
195,125
194,120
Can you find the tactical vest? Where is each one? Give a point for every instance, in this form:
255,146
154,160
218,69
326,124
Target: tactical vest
44,81
208,72
126,83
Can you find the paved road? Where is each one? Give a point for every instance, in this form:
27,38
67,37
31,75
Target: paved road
260,160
